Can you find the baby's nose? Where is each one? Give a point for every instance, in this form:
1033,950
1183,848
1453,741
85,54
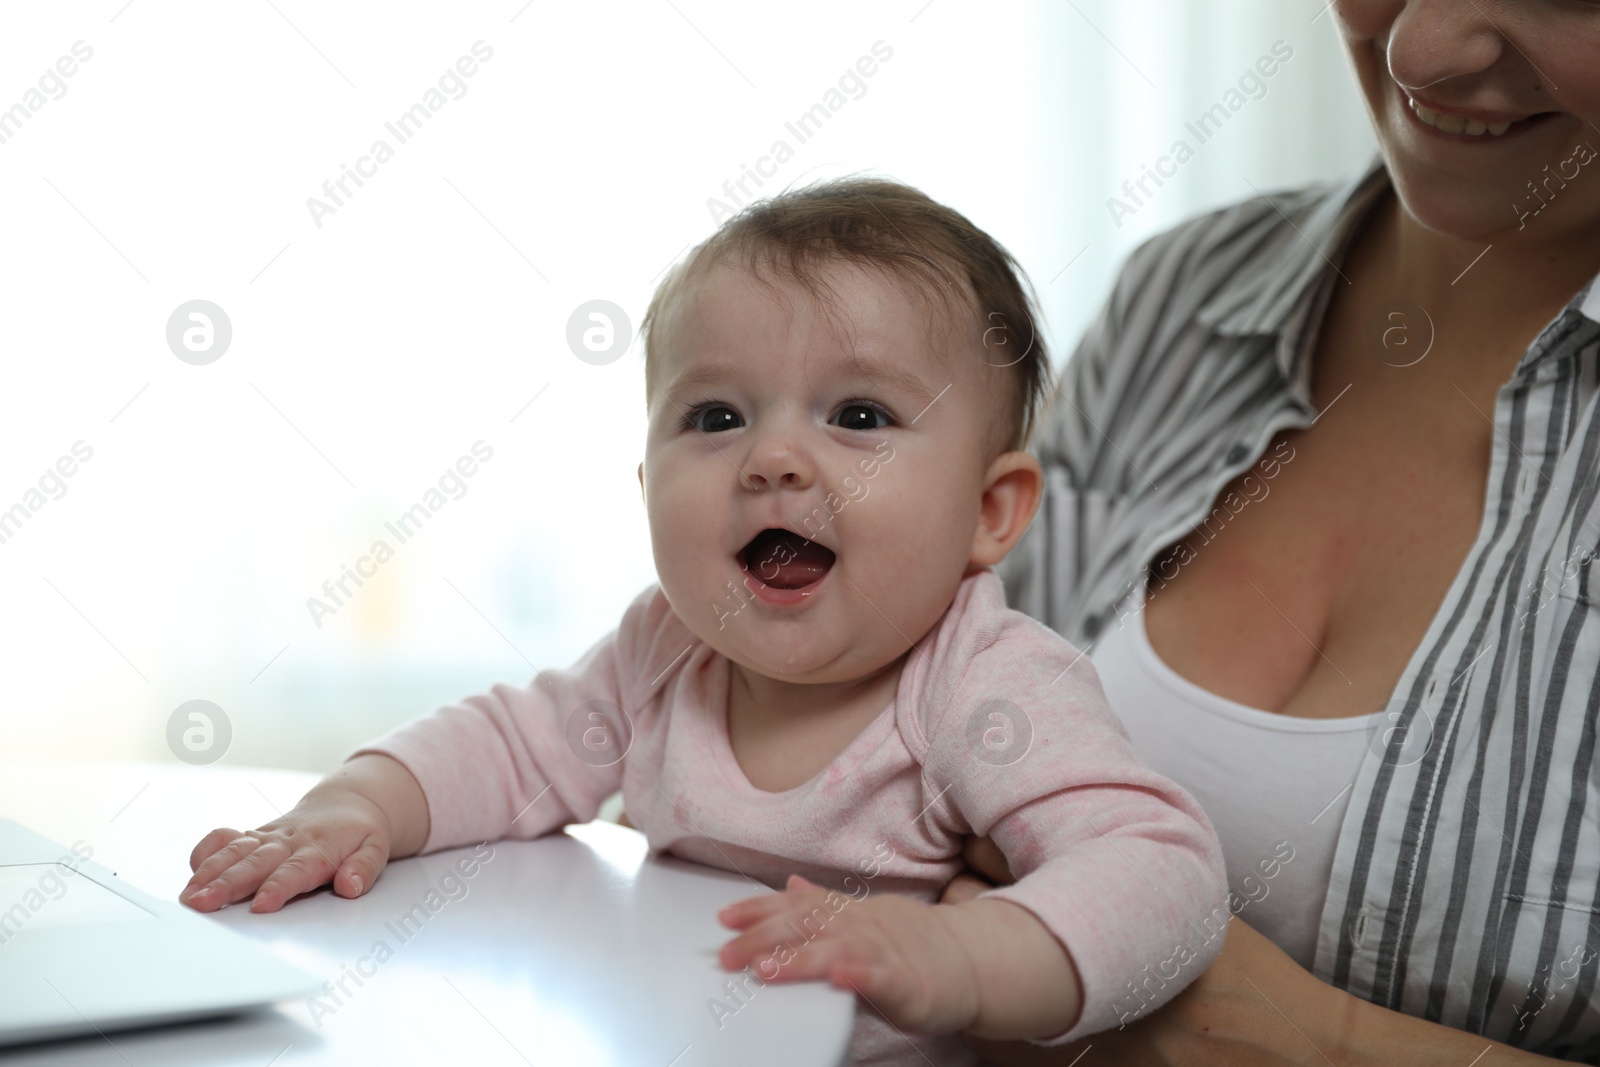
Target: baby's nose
777,460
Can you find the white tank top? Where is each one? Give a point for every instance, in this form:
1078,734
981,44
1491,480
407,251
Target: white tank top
1274,786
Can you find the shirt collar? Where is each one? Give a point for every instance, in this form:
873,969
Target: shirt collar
1261,297
1591,303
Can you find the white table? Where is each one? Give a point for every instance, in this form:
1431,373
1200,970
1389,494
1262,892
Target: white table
575,950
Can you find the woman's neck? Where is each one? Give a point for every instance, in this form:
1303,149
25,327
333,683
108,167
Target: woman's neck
1498,293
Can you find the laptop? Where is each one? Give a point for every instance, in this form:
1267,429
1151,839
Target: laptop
82,952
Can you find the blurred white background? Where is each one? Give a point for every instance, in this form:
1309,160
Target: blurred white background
429,311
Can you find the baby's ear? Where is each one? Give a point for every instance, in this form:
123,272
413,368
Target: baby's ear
1011,492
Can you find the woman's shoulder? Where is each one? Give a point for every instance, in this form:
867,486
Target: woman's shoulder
1228,237
1235,269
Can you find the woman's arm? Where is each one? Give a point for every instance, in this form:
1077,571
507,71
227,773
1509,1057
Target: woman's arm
1256,1006
1379,1035
1253,1006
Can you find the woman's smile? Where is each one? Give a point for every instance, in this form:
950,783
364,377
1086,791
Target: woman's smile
1471,127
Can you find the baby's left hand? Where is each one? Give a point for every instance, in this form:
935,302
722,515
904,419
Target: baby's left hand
904,958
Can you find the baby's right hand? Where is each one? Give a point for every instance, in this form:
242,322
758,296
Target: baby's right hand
335,834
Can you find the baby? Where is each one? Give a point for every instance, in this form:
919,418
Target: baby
825,690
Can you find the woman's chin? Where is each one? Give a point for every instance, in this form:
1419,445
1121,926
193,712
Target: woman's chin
1457,207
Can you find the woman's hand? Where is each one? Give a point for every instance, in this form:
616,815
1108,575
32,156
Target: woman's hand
1245,1007
1253,1007
984,861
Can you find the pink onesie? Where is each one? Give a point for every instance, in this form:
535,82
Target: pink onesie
998,727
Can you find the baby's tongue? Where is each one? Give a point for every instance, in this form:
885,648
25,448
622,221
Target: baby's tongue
786,560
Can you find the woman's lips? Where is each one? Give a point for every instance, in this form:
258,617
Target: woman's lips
1479,127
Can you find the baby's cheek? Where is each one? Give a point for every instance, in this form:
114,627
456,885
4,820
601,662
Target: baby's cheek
923,524
684,514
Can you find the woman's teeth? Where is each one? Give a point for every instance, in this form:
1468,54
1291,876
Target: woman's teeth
1455,123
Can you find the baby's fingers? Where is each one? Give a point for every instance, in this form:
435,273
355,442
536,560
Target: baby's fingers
236,882
311,867
302,872
357,873
846,960
742,914
784,937
755,943
209,845
221,860
799,897
820,959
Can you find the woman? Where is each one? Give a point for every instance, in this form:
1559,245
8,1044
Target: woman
1323,495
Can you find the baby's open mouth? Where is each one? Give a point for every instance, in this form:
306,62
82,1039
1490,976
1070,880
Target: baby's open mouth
785,560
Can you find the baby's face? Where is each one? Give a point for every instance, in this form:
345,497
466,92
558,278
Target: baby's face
866,448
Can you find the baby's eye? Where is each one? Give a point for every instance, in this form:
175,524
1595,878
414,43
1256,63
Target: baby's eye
860,415
712,418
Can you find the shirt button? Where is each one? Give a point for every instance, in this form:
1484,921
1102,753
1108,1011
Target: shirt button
1238,453
1091,627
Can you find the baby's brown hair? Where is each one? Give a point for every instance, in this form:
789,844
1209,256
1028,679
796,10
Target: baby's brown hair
934,250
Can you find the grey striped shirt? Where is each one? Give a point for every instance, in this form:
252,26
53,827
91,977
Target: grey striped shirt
1466,878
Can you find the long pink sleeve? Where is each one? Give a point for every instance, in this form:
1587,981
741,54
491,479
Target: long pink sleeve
1118,862
520,762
